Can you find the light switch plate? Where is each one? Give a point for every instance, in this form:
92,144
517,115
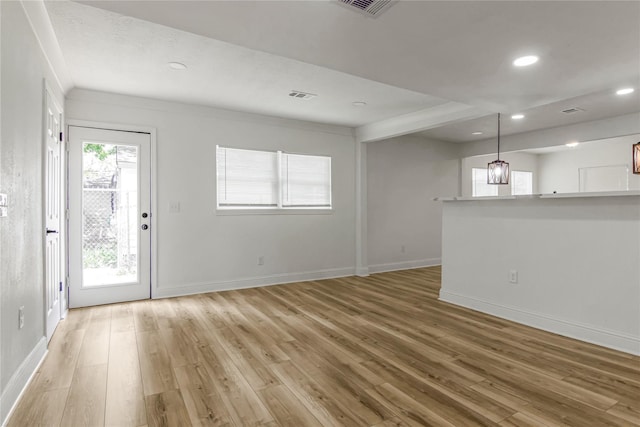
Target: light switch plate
3,199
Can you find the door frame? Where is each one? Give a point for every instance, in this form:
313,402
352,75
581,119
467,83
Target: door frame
64,303
153,224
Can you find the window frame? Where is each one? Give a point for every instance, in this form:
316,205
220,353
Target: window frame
280,209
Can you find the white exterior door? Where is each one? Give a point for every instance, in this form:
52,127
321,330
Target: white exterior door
53,223
109,216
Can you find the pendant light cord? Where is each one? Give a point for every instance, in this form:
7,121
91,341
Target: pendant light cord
498,136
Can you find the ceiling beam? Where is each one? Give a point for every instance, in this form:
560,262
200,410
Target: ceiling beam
418,121
628,124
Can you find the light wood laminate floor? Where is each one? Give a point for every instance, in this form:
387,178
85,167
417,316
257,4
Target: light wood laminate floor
375,351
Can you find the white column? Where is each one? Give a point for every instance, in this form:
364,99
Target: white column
362,263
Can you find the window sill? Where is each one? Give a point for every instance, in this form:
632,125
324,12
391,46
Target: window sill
236,212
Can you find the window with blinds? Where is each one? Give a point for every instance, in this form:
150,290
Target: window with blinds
480,187
521,182
252,179
306,181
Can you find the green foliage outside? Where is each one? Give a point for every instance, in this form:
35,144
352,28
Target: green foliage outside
99,151
101,257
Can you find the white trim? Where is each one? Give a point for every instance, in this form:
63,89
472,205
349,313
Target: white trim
250,282
154,209
404,265
62,227
152,131
607,338
361,222
362,271
20,380
42,28
625,193
274,211
113,99
110,126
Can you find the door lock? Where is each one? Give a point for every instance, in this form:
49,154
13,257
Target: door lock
145,226
144,215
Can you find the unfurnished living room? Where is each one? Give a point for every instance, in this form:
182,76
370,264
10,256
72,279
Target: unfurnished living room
319,213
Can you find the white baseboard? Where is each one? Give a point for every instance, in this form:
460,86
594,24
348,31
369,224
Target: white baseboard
600,336
250,282
21,379
404,265
362,271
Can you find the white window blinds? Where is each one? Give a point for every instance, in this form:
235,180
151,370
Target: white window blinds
521,182
247,178
306,180
480,187
263,179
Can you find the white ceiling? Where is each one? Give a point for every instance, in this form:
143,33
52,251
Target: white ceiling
629,139
247,55
595,106
110,52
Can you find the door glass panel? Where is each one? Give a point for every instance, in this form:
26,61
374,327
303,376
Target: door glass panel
110,214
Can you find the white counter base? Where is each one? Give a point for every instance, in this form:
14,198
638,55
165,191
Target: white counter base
577,259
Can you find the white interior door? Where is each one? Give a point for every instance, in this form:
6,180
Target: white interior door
109,216
53,223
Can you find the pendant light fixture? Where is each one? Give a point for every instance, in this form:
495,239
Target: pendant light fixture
498,171
636,158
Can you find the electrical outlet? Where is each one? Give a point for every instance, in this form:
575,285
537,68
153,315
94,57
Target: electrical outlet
21,317
513,276
261,260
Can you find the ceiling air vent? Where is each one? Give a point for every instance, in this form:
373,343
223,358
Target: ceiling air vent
301,95
573,110
371,8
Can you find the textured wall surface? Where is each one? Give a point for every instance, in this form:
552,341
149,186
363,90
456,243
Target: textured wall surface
21,175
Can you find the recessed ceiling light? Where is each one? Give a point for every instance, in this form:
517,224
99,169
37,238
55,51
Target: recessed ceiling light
517,116
476,133
625,91
572,144
359,104
177,66
523,61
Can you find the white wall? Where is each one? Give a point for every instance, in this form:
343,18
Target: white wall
403,175
517,162
559,171
199,250
23,70
577,263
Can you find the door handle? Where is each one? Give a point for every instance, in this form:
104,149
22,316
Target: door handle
51,231
144,226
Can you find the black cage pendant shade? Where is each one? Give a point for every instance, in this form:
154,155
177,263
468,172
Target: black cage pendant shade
498,171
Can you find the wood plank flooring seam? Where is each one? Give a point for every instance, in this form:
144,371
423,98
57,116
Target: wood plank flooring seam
377,351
